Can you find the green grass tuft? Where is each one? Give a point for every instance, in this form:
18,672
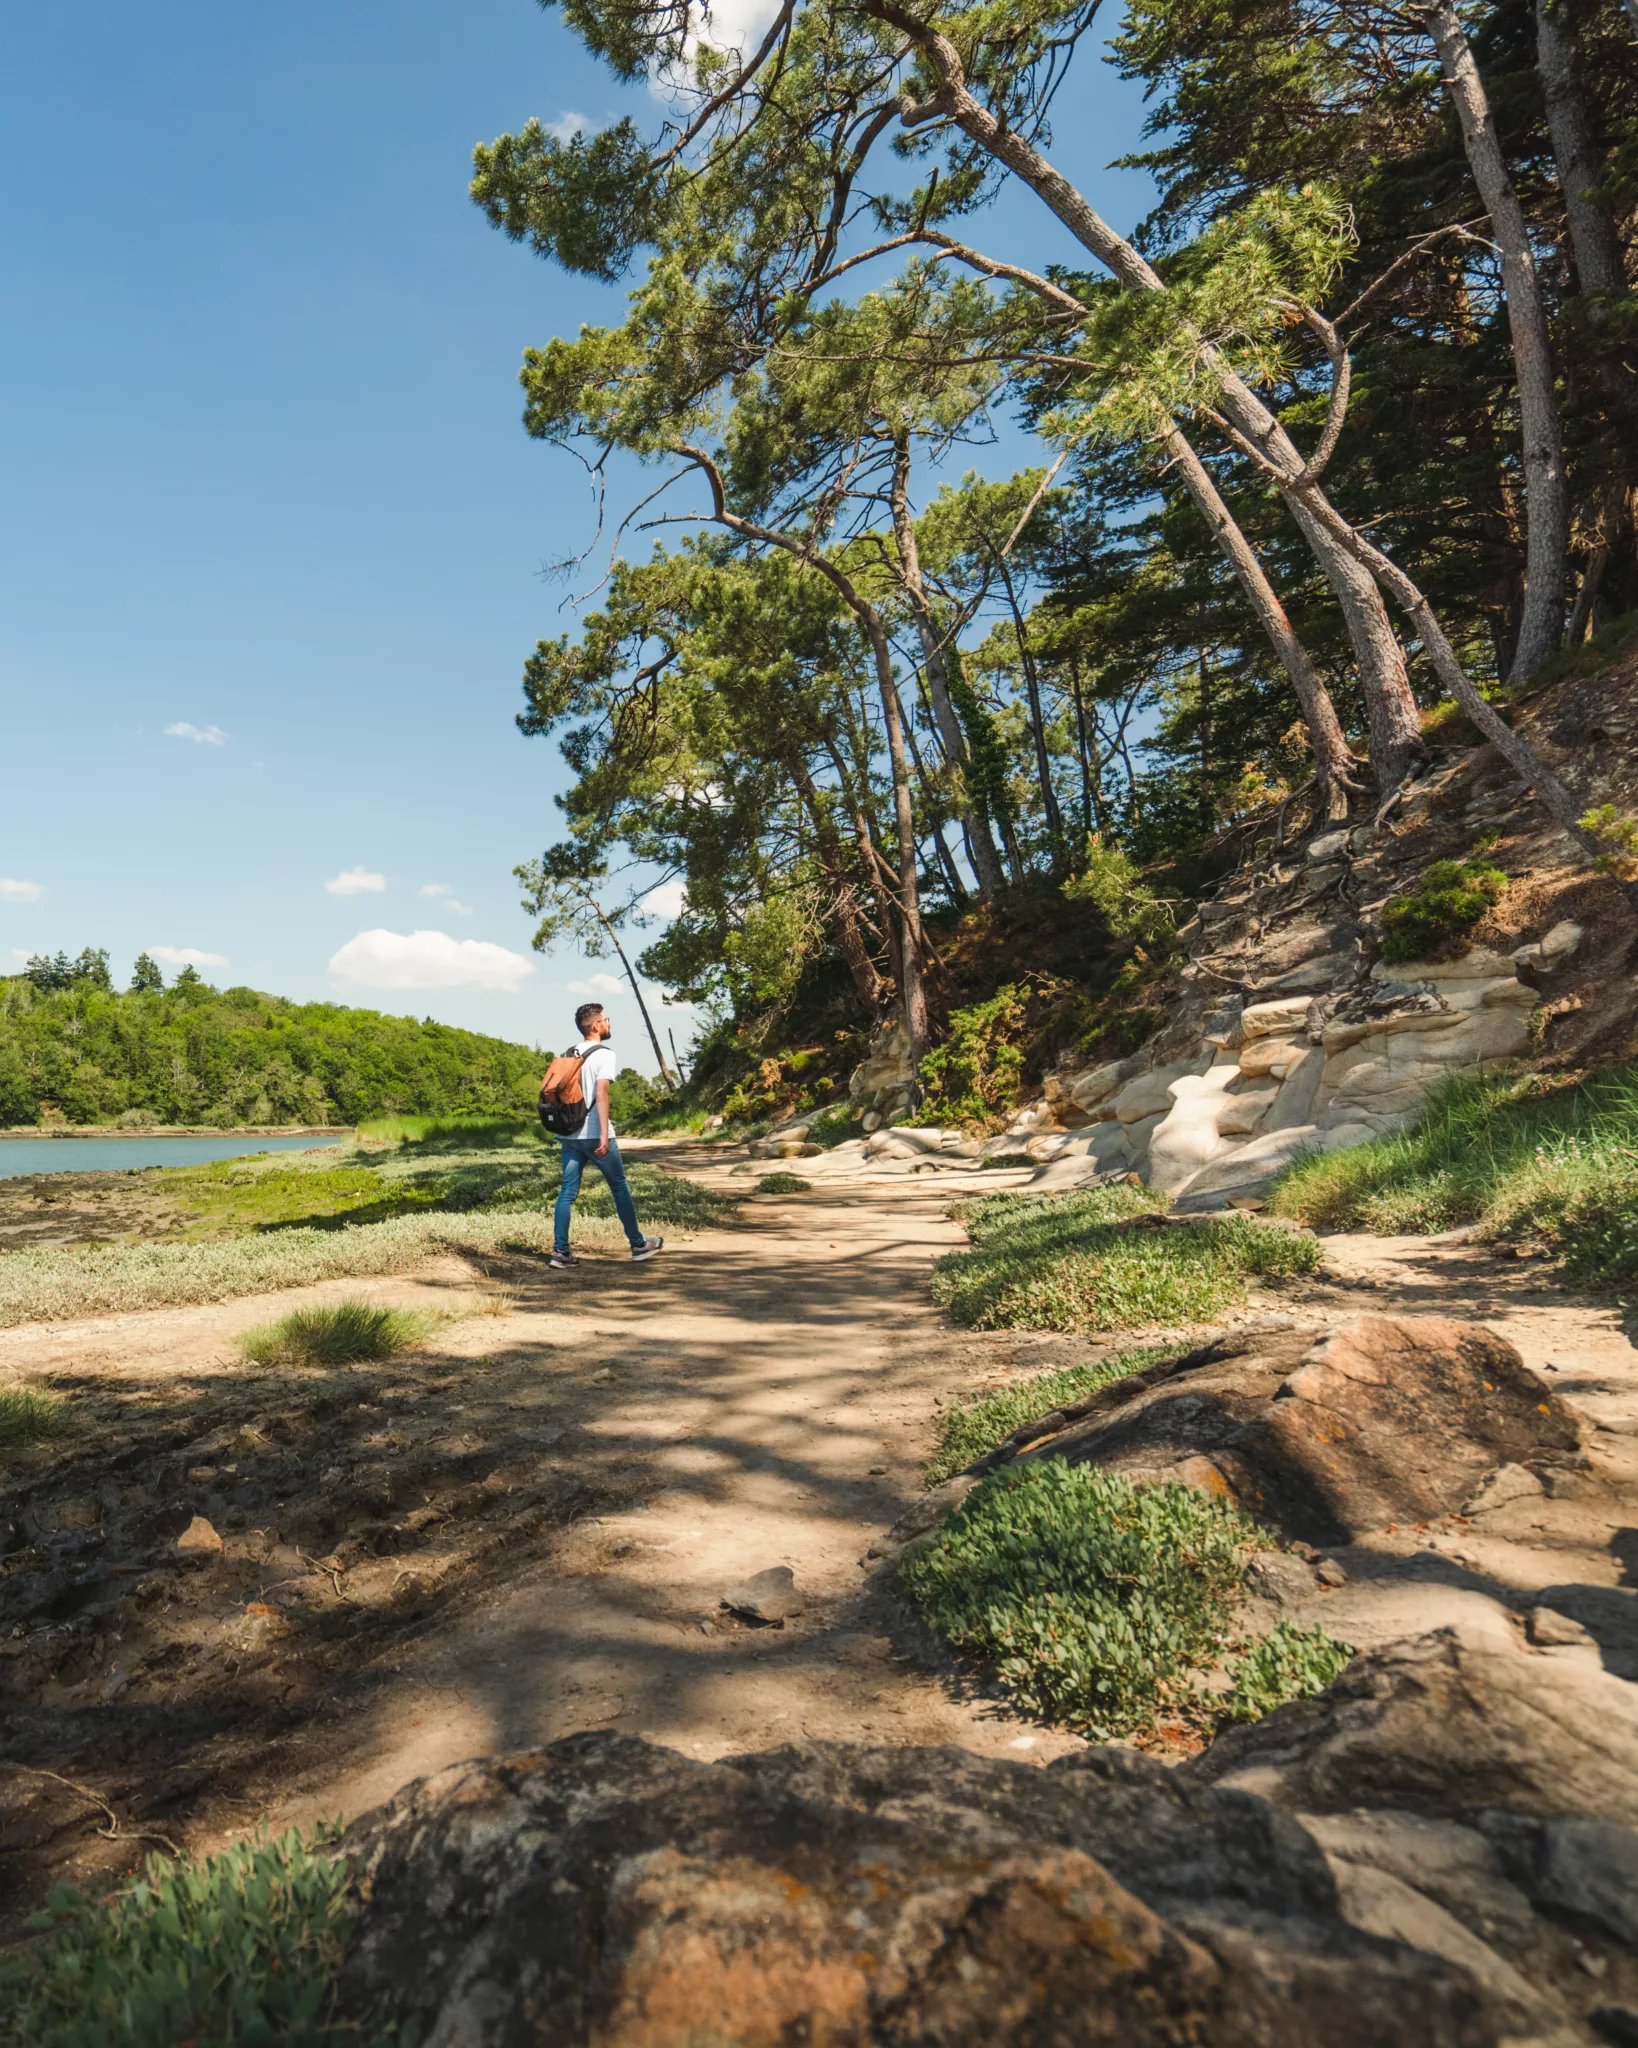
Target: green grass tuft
1287,1664
784,1184
974,1427
1516,1154
1061,1263
340,1333
1096,1602
241,1948
28,1416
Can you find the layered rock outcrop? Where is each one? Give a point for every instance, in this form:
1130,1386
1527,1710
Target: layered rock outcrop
1436,1853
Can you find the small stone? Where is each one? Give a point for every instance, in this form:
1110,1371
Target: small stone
878,1471
1330,1573
1550,1630
602,1376
199,1539
201,1475
768,1597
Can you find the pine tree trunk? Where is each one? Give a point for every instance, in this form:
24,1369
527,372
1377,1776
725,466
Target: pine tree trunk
843,893
1333,761
653,1035
1547,508
986,860
1593,240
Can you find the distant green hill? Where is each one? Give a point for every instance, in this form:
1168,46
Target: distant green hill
191,1054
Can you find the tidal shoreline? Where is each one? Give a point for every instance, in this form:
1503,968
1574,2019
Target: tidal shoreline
177,1131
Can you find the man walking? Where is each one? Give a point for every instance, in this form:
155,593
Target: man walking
593,1144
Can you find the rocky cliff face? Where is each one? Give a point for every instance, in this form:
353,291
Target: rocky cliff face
1287,1030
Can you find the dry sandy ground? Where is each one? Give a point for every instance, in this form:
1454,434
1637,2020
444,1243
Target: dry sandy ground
760,1396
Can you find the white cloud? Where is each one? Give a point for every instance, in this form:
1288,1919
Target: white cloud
187,956
597,985
201,735
568,127
356,882
20,892
446,895
670,899
382,959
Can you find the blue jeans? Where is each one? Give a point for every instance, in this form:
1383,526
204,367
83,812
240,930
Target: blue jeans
578,1154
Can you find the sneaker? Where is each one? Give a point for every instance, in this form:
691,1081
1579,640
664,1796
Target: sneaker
648,1249
564,1259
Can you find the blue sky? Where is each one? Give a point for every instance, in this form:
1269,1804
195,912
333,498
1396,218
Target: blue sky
271,533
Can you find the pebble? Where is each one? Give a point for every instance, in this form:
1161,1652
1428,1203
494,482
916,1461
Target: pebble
769,1596
199,1539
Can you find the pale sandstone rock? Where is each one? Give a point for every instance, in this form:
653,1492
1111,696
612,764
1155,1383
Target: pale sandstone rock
1299,1092
1151,1094
1138,1135
1261,1020
1187,1138
1276,1056
1481,964
1091,1090
1243,1113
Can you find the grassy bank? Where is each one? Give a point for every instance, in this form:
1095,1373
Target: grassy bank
247,1226
1071,1262
1521,1157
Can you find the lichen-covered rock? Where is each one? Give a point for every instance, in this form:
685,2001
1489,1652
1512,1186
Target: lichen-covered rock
602,1891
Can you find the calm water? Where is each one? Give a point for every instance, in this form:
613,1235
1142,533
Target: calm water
114,1155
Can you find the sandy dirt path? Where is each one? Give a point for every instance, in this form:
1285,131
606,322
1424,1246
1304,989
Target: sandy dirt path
758,1396
773,1392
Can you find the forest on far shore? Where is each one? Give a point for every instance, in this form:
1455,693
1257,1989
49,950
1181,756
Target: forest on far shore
73,1047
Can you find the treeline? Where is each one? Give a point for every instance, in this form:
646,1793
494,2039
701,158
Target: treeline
192,1054
1347,430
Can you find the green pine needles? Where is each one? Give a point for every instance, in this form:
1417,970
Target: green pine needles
240,1949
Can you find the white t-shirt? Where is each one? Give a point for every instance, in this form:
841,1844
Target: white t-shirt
600,1065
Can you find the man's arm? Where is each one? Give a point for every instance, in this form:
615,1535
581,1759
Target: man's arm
605,1129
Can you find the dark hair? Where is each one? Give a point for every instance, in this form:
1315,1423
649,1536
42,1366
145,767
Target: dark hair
585,1016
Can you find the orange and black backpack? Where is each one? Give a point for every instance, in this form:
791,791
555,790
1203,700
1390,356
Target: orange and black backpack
562,1101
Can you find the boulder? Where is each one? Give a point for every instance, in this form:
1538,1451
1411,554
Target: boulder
1248,1170
1551,952
1299,1092
1385,1420
888,1070
1187,1137
1091,1091
604,1891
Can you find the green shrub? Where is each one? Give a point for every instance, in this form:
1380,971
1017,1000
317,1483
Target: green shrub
1516,1154
1287,1664
340,1333
1063,1263
973,1079
1111,883
973,1427
783,1184
1096,1601
1447,902
28,1416
239,1949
